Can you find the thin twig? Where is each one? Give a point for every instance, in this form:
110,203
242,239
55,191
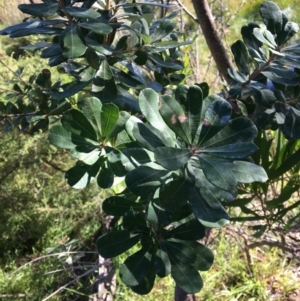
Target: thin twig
71,282
50,255
187,11
14,73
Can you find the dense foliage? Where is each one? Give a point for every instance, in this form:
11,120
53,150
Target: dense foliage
176,153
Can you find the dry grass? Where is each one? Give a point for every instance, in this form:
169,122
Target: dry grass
9,13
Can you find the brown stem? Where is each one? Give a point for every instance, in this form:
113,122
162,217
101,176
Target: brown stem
216,47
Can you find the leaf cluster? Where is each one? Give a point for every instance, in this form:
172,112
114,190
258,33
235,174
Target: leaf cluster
178,167
266,84
112,52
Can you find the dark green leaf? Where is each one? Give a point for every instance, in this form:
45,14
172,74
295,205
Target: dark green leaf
209,217
71,42
105,178
80,12
236,150
116,205
187,278
291,125
240,54
172,158
290,29
145,179
140,57
75,122
175,117
157,215
216,116
274,18
97,27
109,118
218,173
238,130
81,175
39,10
91,109
134,269
249,39
191,230
247,172
237,76
205,257
162,263
70,89
149,105
146,285
179,252
161,29
193,108
86,153
148,136
60,137
281,75
116,242
212,194
173,195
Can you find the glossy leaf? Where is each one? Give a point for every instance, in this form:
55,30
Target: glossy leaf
109,118
97,27
175,117
247,172
62,138
216,116
291,124
191,230
240,54
236,150
70,89
105,178
209,217
81,175
237,130
75,122
116,242
116,205
187,277
144,179
39,9
173,196
162,264
134,269
193,108
148,136
146,285
179,252
205,257
80,12
172,158
149,105
212,194
88,154
91,109
72,43
217,173
273,17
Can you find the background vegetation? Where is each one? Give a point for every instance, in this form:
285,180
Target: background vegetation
56,228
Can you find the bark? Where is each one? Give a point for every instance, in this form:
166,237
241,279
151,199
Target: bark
181,295
216,47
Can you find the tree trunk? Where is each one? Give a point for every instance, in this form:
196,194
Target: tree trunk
216,47
181,295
